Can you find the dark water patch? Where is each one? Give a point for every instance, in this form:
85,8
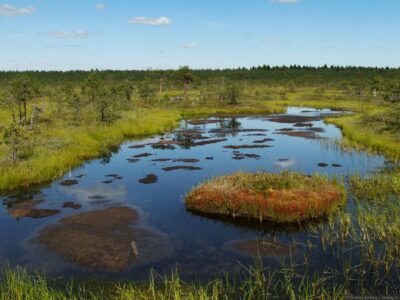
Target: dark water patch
238,157
209,158
317,129
247,146
133,160
285,129
137,146
259,248
69,182
184,135
107,181
241,156
142,155
234,130
149,179
165,145
28,209
302,134
336,165
323,165
70,204
188,168
289,119
187,160
108,239
253,130
208,142
161,159
263,141
264,226
303,125
96,197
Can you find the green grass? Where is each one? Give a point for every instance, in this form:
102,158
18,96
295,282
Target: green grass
255,283
59,148
358,135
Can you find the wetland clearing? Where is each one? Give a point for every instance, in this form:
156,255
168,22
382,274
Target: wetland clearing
129,213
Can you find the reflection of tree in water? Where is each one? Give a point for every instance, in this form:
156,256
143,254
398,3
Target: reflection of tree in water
231,123
228,126
186,137
22,196
106,158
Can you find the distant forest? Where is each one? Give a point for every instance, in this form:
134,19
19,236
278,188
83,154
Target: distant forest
283,75
359,81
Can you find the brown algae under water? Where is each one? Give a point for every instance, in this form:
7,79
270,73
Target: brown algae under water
125,213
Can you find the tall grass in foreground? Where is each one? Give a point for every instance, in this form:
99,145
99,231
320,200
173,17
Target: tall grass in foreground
363,250
255,283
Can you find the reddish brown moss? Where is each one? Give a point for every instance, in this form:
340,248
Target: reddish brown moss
285,197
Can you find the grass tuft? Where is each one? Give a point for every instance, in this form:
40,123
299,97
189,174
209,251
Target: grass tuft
283,198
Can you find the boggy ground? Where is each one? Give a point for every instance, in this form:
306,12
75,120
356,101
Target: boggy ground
29,209
109,239
283,198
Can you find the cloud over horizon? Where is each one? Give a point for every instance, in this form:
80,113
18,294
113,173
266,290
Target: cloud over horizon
12,11
161,21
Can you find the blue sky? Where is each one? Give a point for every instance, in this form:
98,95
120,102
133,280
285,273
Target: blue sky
133,34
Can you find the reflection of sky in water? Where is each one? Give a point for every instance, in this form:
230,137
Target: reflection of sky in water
162,202
117,193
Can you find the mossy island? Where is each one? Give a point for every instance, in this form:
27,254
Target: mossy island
285,197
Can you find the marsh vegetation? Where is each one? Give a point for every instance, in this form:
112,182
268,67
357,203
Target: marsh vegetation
62,166
283,198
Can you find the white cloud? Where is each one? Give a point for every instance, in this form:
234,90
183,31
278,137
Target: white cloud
11,11
100,6
286,1
67,34
161,21
190,45
285,163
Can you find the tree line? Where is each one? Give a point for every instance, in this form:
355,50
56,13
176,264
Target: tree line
99,96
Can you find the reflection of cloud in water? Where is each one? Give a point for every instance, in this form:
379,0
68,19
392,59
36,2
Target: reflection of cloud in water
90,193
285,163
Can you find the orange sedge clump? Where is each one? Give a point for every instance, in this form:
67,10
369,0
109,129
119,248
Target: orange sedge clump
284,198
